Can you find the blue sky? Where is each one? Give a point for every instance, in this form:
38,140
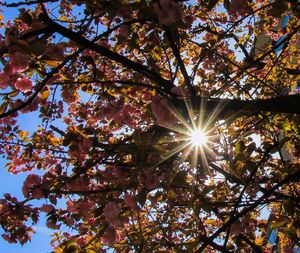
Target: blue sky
13,183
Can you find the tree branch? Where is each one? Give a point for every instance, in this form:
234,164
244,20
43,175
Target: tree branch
180,61
232,108
83,42
291,178
255,248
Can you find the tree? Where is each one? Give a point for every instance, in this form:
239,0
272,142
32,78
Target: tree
121,87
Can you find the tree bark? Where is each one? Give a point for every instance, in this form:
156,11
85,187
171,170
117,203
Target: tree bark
225,108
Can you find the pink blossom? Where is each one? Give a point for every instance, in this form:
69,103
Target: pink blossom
23,84
4,79
147,96
151,180
124,30
19,62
54,51
51,224
240,7
111,213
81,241
168,11
126,116
30,182
130,201
109,235
85,144
47,208
161,112
9,70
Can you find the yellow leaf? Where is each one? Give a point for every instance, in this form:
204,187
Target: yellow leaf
209,222
14,93
259,241
3,107
55,141
91,251
58,250
1,18
44,94
52,63
171,194
23,134
112,140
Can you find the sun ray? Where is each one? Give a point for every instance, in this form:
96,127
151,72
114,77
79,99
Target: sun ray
172,152
198,124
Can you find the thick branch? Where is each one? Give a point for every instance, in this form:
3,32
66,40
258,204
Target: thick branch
27,3
226,108
83,42
180,61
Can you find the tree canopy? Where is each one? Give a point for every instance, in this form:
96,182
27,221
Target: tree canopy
164,125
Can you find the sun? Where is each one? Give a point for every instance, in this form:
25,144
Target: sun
198,137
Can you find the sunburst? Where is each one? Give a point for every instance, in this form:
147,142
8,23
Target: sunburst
198,137
194,134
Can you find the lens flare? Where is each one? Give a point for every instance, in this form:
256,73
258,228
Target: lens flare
198,138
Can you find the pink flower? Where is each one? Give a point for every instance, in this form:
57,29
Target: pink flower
161,112
109,235
51,224
124,30
54,52
23,84
30,182
168,11
4,79
111,213
9,70
19,62
151,180
240,7
81,241
130,201
47,208
126,116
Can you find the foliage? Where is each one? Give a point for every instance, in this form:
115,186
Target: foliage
118,87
